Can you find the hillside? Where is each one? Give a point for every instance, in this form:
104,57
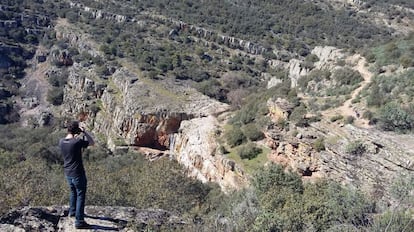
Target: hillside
251,100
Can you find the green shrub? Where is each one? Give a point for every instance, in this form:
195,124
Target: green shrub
392,221
288,205
355,148
328,204
234,136
406,61
347,76
298,113
211,88
252,132
319,144
336,118
274,176
248,151
393,117
55,96
367,115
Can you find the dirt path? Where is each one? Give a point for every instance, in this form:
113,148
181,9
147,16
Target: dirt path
348,108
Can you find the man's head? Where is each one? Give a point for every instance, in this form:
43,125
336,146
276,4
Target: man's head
73,128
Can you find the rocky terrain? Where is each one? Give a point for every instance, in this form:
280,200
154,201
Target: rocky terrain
130,108
175,120
55,218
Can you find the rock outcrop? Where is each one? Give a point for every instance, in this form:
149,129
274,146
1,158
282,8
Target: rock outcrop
296,71
195,147
327,55
55,218
279,109
384,160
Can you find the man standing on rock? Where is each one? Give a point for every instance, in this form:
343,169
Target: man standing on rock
71,147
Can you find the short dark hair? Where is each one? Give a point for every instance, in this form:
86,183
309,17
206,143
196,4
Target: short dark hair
73,127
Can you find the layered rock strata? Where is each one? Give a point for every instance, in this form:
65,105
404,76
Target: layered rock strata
385,157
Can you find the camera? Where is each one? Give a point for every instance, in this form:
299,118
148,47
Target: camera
78,130
73,128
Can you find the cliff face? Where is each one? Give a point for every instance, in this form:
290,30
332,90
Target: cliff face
195,147
126,109
134,113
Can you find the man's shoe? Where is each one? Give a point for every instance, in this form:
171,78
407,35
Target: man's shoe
83,225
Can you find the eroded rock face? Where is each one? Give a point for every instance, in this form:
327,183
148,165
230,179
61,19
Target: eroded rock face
54,218
139,113
296,71
384,160
279,109
195,147
327,55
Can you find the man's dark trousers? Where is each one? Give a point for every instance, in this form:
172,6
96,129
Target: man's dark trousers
77,197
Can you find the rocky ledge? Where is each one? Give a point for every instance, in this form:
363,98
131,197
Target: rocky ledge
101,218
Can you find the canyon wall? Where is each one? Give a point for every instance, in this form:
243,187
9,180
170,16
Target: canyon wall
136,112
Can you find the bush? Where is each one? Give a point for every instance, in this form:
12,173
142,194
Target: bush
130,173
252,132
274,176
211,88
355,148
289,205
329,204
234,136
319,144
55,96
336,118
367,115
249,151
393,221
298,113
392,117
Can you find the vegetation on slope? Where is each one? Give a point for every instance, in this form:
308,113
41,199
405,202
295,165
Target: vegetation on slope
32,174
292,25
31,165
390,94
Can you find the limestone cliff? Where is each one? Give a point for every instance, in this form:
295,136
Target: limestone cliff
195,147
134,113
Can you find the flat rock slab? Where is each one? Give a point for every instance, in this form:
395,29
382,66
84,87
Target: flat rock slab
97,224
101,218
